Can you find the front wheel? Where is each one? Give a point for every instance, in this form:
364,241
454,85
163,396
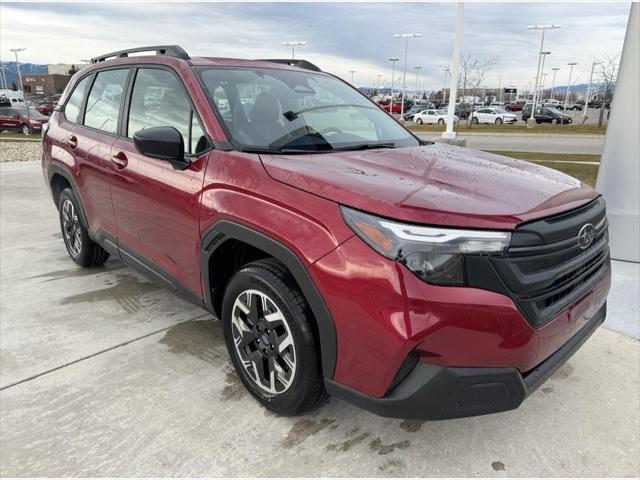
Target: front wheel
441,121
475,120
270,336
25,129
554,121
498,121
419,121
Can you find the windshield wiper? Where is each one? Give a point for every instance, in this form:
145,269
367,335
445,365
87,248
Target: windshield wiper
270,151
291,115
366,146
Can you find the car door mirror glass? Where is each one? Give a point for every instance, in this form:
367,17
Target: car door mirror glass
162,143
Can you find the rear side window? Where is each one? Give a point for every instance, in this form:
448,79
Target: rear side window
158,100
104,100
72,108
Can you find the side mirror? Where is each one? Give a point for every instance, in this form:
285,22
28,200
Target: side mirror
163,143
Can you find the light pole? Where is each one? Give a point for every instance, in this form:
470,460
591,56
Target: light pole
566,96
417,67
542,83
553,81
352,72
406,37
379,84
532,122
455,66
586,99
393,73
15,51
542,75
447,73
293,46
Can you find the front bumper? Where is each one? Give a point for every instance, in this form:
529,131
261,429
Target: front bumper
431,392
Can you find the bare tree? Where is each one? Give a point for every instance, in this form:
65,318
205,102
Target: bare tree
473,73
606,76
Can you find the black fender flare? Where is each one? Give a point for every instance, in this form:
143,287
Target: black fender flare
224,230
57,169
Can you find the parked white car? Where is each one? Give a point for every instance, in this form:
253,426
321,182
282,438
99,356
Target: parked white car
432,116
493,115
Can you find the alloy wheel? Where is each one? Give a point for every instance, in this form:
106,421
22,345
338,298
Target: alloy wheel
71,228
26,130
263,342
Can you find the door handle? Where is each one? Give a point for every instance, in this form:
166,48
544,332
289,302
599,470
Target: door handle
120,160
72,141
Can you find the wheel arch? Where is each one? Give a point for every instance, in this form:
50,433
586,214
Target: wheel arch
224,231
59,177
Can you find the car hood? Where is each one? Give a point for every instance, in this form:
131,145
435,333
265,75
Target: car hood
433,184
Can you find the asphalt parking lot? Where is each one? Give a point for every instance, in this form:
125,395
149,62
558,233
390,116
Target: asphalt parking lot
103,373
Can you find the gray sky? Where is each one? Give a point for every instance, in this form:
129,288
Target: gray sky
340,36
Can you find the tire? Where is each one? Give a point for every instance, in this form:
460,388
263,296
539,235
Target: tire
298,385
419,121
440,121
24,128
82,250
475,121
554,121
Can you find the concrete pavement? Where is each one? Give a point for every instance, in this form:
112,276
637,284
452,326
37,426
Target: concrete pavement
103,373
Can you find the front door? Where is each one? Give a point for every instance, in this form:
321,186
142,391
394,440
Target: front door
156,206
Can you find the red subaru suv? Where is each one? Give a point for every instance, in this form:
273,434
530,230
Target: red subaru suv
342,254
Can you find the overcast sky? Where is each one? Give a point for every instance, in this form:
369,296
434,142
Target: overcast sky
340,36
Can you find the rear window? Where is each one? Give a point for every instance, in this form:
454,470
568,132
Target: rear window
105,98
72,108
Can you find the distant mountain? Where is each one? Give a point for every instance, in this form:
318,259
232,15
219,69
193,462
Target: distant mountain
11,71
580,88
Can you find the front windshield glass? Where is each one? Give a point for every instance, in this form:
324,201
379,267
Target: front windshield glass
499,110
283,110
442,112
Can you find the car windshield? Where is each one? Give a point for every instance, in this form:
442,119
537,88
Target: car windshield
441,112
499,110
277,110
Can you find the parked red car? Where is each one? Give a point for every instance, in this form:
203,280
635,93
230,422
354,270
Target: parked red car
515,106
342,254
20,120
396,107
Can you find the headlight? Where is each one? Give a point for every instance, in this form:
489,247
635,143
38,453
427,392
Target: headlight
434,254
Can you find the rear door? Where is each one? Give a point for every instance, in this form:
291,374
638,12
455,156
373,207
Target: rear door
156,206
91,140
6,120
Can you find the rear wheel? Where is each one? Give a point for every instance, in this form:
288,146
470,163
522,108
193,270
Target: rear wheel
271,339
498,121
24,128
82,250
419,121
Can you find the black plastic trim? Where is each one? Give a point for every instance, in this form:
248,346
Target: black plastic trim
154,272
51,171
168,50
430,392
225,230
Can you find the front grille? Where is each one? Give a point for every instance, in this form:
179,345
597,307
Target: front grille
545,270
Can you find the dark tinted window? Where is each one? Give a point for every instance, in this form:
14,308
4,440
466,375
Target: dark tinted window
72,108
104,100
159,100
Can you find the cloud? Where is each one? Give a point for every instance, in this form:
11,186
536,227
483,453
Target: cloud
340,36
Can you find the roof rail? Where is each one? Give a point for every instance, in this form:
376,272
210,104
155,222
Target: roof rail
169,50
294,63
